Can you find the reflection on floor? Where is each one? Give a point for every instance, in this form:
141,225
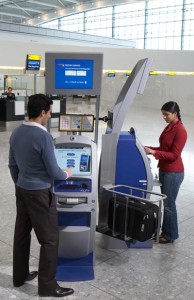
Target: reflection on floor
163,272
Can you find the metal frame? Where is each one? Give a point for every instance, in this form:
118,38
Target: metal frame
130,196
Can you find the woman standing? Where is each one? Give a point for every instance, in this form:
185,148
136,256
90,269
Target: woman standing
10,94
171,168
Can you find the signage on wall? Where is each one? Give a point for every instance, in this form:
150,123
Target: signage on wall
128,73
34,57
111,73
33,62
114,73
153,73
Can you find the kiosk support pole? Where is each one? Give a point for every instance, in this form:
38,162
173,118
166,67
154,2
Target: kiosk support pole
97,119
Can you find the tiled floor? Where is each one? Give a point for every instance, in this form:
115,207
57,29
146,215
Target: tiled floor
163,272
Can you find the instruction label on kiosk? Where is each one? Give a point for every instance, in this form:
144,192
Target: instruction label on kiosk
81,123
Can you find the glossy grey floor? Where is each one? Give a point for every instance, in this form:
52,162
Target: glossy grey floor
163,272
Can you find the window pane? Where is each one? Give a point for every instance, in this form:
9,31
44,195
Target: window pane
129,21
73,23
157,24
52,24
99,22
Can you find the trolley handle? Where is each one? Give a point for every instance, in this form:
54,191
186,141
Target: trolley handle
111,189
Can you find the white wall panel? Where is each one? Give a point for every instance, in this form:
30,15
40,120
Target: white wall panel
159,89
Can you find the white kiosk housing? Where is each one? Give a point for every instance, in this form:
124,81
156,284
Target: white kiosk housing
76,200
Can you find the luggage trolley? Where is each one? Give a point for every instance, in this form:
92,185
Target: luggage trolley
127,218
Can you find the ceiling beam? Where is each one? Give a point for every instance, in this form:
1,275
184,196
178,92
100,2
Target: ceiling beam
13,15
24,9
73,1
44,4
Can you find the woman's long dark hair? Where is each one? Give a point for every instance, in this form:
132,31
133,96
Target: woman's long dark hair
172,107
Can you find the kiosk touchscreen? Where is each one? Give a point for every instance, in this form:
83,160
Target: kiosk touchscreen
77,158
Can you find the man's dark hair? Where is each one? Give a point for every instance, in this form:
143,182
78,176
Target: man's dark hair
36,104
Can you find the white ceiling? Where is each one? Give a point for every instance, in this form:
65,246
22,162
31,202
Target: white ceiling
32,12
18,11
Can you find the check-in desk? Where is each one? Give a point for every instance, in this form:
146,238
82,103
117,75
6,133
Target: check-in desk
11,110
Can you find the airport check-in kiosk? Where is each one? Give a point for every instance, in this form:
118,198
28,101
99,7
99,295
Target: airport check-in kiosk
123,159
76,197
76,200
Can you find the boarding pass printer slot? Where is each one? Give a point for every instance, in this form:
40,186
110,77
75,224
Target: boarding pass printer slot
71,200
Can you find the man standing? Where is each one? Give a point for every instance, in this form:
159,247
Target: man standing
33,167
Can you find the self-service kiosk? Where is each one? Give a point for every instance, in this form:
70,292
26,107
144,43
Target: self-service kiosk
76,200
76,197
123,159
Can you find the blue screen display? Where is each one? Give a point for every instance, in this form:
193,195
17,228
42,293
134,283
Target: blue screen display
33,65
74,74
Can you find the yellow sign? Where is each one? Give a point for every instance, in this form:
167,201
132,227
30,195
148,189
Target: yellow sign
34,57
111,73
153,73
171,73
128,73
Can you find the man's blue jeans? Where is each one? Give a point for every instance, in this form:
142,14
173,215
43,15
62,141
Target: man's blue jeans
171,182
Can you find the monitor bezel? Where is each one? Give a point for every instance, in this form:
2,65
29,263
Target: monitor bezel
50,58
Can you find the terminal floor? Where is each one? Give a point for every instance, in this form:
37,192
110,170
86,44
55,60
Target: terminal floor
162,272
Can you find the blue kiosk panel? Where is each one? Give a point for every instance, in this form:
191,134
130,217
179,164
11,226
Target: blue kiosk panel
130,167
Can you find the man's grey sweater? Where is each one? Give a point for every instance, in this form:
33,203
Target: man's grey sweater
32,161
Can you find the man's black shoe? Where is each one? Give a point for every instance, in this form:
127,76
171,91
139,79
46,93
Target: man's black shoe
58,292
30,277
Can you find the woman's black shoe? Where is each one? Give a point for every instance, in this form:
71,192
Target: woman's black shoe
162,240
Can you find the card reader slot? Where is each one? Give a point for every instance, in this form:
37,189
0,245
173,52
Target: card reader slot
68,186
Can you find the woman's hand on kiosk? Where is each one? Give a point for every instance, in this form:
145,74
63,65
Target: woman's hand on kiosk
69,172
149,150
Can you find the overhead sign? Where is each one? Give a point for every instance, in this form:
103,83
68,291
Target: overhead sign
34,57
111,73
